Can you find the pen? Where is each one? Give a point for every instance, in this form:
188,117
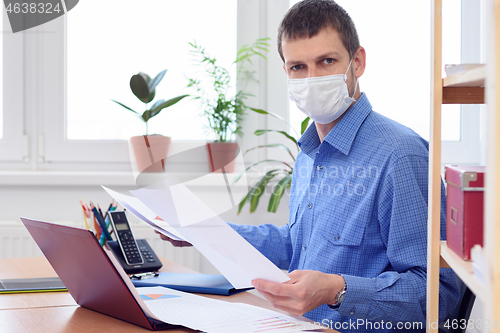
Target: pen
112,207
100,220
100,212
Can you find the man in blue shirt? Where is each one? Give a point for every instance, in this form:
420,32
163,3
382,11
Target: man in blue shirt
356,241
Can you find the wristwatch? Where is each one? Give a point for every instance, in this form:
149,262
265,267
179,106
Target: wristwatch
339,298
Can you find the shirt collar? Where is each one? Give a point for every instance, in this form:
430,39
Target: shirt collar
342,134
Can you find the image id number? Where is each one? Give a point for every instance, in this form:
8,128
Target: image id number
33,8
470,324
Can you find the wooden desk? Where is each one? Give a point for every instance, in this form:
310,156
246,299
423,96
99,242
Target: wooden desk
57,312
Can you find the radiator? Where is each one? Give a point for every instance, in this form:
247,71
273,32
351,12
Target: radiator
16,242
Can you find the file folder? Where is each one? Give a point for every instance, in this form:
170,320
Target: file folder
192,283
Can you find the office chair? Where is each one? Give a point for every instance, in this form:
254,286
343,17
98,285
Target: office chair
461,311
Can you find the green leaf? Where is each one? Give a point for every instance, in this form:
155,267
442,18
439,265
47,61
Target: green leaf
242,203
152,84
263,161
139,87
251,193
274,145
278,192
126,107
146,115
303,125
157,107
260,132
273,115
267,113
259,189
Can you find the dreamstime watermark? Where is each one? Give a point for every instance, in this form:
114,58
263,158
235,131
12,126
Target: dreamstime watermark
26,14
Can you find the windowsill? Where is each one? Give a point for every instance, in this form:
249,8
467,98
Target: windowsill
107,178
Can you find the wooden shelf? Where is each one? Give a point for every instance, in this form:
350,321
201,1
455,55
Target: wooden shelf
466,87
471,78
463,269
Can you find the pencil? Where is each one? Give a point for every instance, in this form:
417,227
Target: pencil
97,228
85,215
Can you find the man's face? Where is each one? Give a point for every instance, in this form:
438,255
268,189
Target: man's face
321,55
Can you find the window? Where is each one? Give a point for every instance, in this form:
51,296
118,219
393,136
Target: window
1,81
146,36
86,130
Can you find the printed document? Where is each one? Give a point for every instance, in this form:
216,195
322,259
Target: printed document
210,315
142,212
230,253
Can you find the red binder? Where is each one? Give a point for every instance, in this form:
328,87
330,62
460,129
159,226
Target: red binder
464,208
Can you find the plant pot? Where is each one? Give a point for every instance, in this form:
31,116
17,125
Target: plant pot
150,152
222,155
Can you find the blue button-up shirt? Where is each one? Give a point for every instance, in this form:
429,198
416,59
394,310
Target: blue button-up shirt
358,208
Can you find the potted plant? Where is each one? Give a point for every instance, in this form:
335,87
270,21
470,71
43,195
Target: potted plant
150,151
224,111
280,177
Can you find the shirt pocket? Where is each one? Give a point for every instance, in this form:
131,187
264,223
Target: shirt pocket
343,233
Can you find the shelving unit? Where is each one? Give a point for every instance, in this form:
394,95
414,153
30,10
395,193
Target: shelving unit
476,86
465,88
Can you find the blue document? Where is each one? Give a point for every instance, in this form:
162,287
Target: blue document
191,283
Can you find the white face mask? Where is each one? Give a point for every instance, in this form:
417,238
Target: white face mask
324,98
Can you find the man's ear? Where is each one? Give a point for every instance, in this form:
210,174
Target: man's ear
359,61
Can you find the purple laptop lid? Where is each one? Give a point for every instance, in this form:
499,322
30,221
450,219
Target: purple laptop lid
85,269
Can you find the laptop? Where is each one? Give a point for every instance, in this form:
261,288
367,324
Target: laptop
89,274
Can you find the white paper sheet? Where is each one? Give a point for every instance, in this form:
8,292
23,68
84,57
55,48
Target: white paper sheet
210,315
230,253
142,212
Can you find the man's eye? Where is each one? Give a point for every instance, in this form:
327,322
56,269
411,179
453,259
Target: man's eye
329,61
296,67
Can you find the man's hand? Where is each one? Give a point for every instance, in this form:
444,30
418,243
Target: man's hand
305,291
176,243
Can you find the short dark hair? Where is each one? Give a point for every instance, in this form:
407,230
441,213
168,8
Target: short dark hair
306,18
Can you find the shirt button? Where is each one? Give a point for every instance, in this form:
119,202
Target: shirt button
352,311
319,167
336,237
310,205
303,247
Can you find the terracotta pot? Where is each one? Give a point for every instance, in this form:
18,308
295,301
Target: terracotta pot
150,152
222,155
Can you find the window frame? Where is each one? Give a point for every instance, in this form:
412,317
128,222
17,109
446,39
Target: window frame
13,145
467,151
